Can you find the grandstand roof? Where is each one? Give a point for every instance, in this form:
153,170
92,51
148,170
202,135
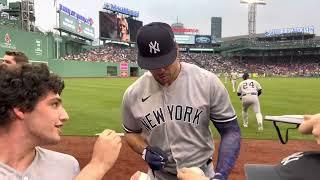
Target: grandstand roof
233,38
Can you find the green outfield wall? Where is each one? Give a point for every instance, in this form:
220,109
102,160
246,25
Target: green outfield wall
71,68
36,46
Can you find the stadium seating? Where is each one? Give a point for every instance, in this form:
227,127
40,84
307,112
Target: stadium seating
283,66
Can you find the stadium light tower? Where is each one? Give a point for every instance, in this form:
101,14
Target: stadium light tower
27,15
252,13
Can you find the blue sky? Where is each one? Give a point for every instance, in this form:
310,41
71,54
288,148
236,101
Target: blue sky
196,13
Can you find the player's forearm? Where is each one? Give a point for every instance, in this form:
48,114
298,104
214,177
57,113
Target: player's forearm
136,142
229,146
92,171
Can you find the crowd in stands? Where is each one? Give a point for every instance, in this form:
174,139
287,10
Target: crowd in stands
108,53
302,69
212,62
286,66
277,44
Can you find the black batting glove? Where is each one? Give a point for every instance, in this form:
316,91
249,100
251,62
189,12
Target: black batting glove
155,157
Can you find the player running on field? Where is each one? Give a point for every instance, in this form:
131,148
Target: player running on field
249,90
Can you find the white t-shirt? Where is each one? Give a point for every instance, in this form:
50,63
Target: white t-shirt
47,165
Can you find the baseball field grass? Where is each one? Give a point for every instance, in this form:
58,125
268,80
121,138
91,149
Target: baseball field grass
94,104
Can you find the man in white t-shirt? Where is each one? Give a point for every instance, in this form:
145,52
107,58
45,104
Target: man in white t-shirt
32,115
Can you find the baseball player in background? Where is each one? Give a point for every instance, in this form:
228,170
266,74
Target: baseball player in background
226,76
167,111
249,90
233,77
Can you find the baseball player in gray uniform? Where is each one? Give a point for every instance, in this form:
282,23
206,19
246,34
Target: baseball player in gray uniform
226,76
31,115
234,77
249,90
167,111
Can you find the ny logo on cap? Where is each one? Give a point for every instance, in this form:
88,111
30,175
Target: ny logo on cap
293,157
154,47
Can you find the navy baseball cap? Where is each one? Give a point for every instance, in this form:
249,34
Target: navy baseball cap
302,165
156,46
245,75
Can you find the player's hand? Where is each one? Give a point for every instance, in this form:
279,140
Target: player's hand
188,174
311,125
106,150
140,176
155,157
316,131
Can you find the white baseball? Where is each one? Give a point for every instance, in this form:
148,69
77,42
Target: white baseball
197,170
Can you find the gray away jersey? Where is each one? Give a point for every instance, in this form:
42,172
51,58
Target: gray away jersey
234,76
249,86
176,118
47,165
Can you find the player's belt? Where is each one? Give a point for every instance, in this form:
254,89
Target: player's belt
249,94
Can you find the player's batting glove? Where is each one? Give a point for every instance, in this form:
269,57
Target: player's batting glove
218,176
155,157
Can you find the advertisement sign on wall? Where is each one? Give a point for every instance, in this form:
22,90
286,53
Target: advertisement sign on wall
72,25
184,39
203,39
